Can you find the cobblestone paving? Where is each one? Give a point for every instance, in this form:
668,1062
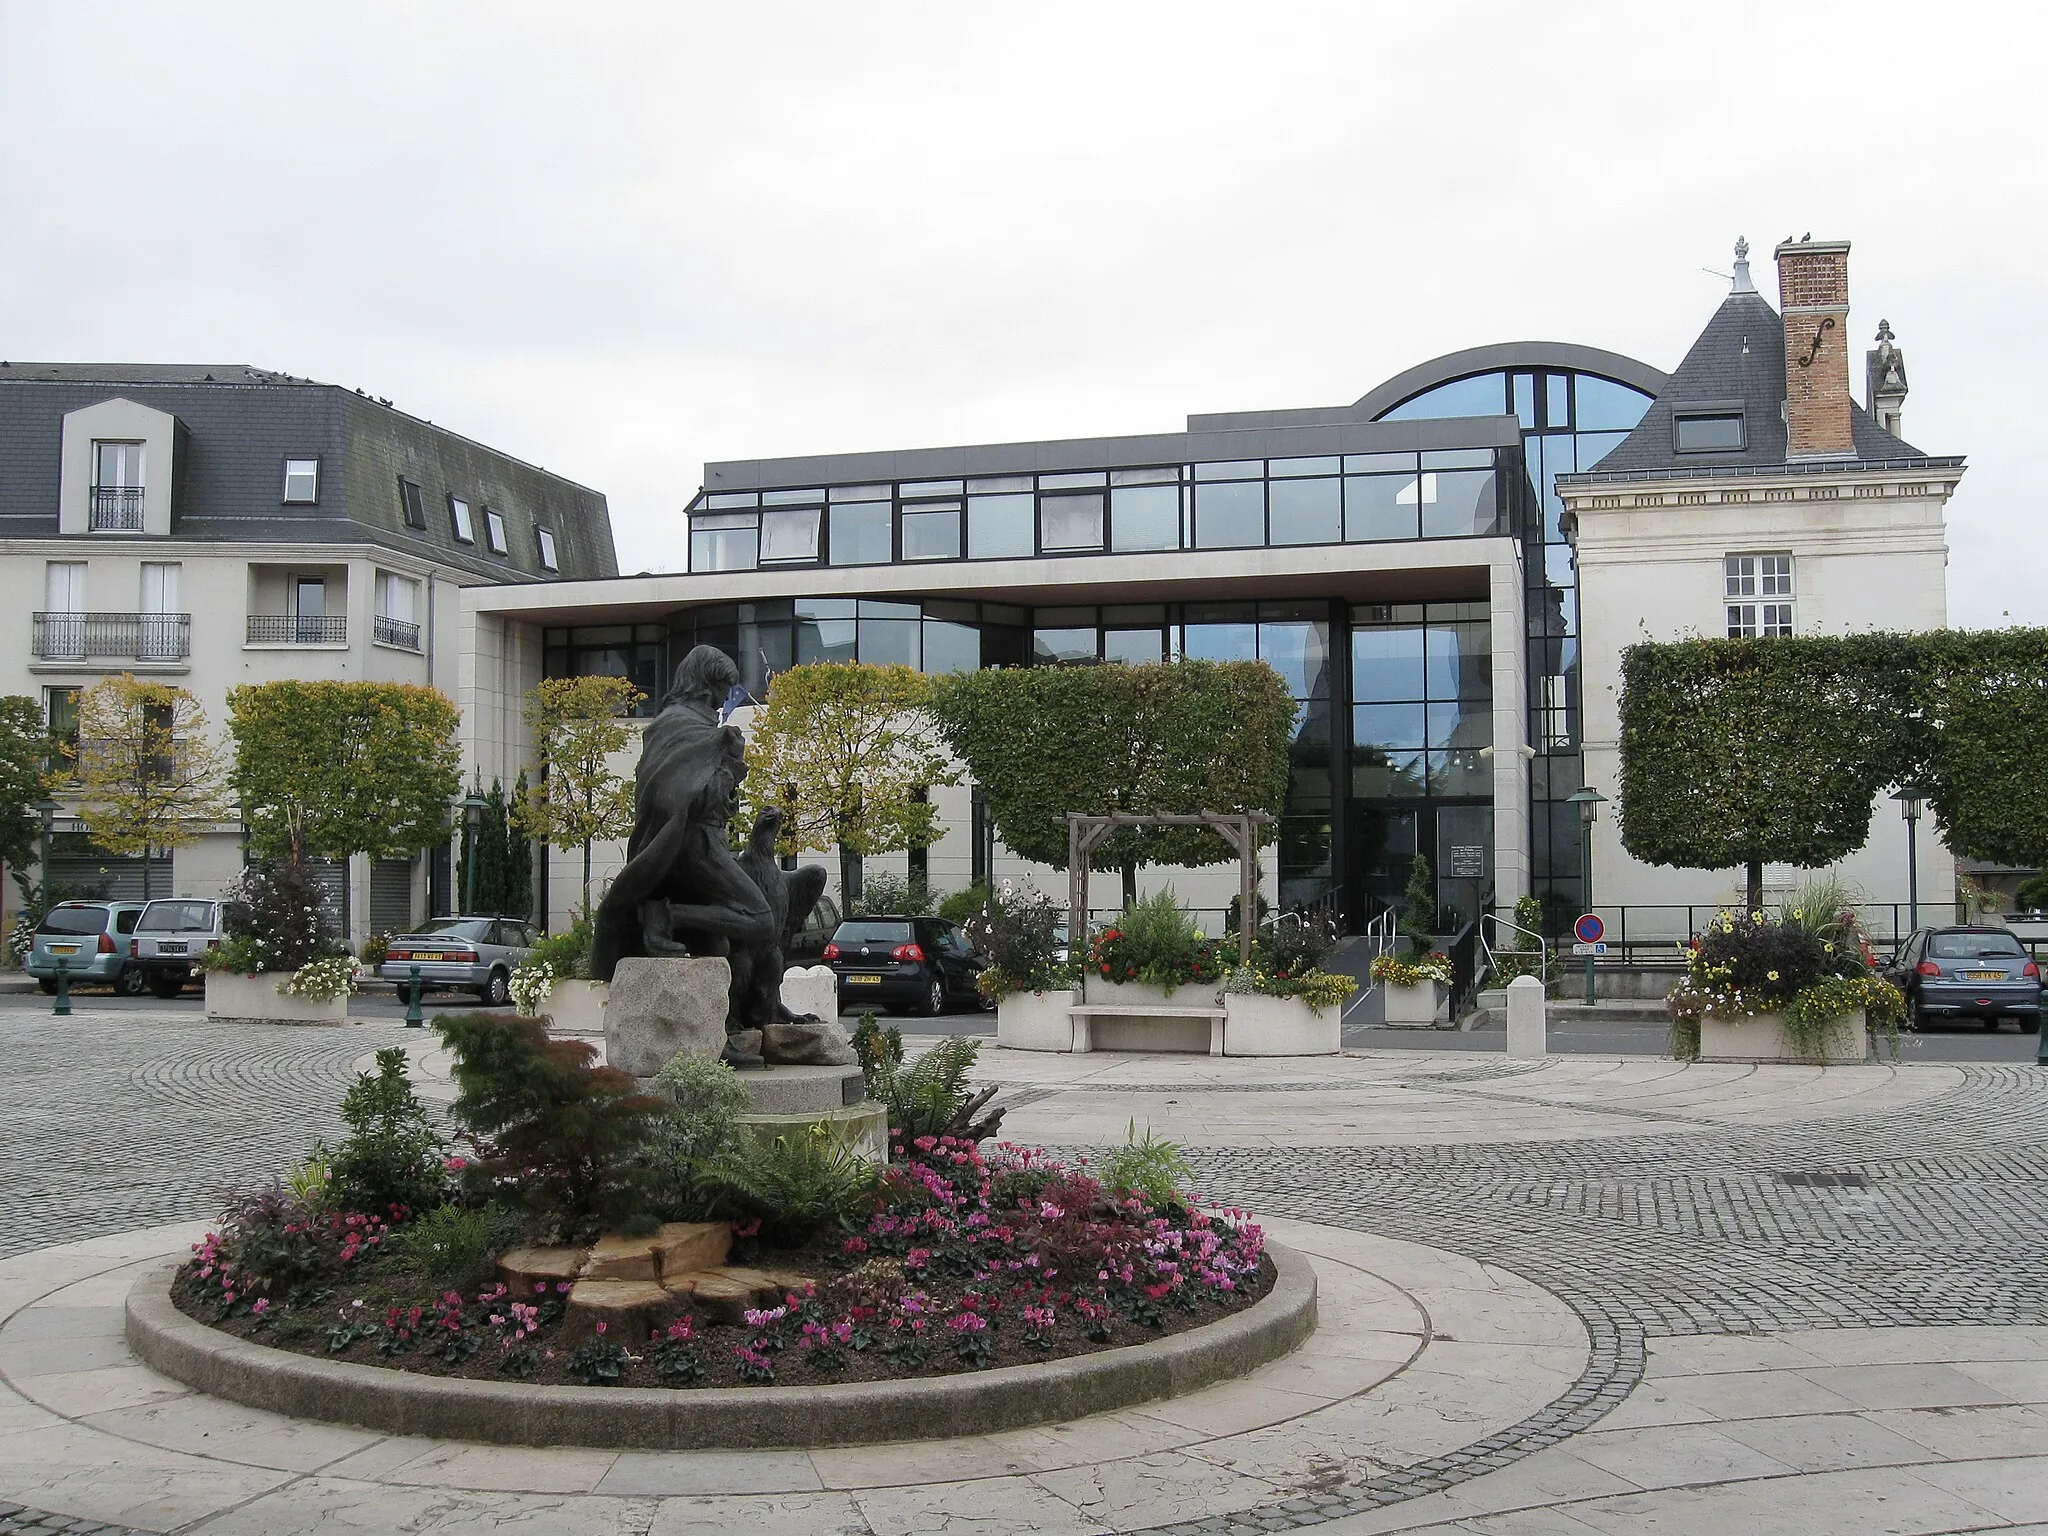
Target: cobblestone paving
116,1123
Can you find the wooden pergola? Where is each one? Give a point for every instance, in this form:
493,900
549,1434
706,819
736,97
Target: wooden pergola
1240,829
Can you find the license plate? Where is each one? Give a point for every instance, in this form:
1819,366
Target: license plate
864,981
170,946
63,949
435,955
1984,975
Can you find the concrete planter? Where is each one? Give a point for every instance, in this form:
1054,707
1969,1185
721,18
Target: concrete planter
1412,1007
256,1000
1257,1025
1036,1021
576,1007
1764,1038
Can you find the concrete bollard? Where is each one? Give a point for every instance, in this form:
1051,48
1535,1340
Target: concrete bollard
1528,1029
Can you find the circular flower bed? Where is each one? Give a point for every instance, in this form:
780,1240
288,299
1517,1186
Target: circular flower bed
961,1263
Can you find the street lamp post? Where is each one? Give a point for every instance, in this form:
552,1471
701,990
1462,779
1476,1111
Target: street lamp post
1588,800
1911,797
46,809
473,805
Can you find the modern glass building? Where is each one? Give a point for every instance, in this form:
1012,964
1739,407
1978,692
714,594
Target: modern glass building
1401,562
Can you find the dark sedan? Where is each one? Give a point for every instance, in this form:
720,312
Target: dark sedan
1982,974
920,964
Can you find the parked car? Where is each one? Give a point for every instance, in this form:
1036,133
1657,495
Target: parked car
904,963
467,954
92,939
808,946
1968,973
172,934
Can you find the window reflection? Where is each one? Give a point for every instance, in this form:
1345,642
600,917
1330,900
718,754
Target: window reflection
999,527
1144,517
861,534
1230,515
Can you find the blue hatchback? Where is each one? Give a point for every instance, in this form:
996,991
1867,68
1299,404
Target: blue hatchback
1981,974
91,938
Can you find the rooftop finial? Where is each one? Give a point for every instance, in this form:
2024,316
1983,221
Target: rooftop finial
1742,284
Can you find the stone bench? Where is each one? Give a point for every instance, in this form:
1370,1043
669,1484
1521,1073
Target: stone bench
1084,1016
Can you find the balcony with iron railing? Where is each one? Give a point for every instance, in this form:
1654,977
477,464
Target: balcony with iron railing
115,509
297,629
399,632
144,637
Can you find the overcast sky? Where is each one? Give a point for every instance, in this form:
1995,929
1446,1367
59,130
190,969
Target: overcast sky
618,240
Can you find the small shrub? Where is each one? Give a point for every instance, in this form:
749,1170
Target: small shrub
564,1133
886,895
275,1241
376,949
566,953
2032,896
964,905
879,1051
1418,912
702,1101
457,1247
1155,1169
281,911
393,1155
1156,941
1023,945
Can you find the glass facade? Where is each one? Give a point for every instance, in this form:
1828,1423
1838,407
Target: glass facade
1394,702
1570,421
1240,504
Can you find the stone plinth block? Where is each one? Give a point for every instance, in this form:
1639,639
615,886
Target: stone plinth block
1528,1024
811,989
809,1043
663,1005
863,1128
802,1090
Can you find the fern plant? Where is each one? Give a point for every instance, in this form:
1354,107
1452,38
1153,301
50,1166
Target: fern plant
796,1183
931,1097
1153,1168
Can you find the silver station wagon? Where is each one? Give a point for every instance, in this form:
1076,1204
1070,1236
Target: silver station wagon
460,954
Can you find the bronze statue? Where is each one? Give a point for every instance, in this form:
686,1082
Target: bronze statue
682,890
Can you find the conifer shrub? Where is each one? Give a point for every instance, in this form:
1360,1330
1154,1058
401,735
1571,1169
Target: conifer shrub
553,1130
393,1155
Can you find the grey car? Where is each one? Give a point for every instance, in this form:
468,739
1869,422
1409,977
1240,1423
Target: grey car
1981,974
171,936
91,937
465,954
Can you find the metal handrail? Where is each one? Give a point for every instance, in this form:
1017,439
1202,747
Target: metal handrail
399,632
297,629
1538,947
123,636
115,509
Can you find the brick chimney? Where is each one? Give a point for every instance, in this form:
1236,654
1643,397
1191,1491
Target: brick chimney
1813,296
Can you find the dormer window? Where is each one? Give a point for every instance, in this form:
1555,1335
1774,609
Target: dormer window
1707,431
302,480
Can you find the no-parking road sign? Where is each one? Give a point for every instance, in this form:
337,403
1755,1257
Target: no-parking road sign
1589,929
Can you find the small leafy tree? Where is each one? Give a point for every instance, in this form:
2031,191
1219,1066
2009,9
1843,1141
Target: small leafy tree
1982,737
330,769
24,780
277,920
577,728
846,751
1181,737
150,779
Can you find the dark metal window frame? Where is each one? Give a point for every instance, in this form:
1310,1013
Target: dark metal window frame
456,520
412,505
495,539
1686,412
544,548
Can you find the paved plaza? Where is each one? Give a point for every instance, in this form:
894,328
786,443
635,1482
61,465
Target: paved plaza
1584,1295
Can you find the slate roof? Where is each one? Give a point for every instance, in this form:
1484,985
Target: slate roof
145,373
1739,357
